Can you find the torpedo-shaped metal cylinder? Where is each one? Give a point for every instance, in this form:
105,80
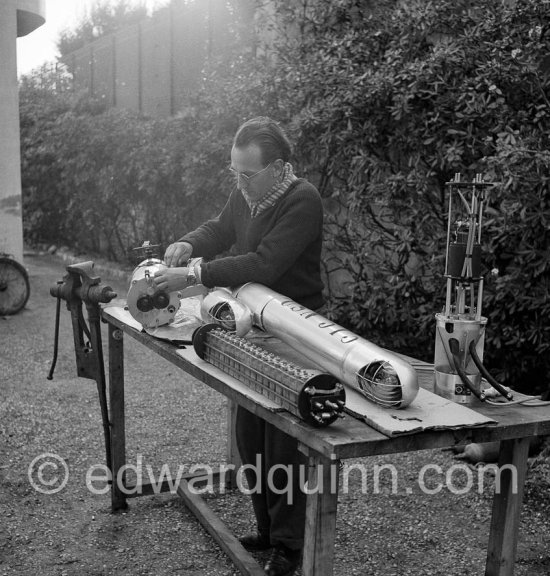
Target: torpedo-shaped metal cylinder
382,376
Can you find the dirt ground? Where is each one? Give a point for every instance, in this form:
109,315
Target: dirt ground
173,420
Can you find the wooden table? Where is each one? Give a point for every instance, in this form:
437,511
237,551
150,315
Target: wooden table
325,448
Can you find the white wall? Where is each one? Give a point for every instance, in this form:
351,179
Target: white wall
17,18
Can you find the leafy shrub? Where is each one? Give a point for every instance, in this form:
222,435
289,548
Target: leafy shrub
40,171
105,180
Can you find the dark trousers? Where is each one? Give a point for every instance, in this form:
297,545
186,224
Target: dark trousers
280,504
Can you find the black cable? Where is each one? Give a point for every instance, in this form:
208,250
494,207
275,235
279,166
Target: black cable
494,383
83,325
454,345
56,340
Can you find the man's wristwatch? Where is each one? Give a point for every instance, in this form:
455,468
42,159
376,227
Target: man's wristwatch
191,276
192,271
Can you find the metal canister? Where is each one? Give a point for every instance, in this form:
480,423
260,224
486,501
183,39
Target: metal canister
146,303
464,328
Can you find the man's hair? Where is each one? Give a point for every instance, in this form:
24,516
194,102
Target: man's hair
267,135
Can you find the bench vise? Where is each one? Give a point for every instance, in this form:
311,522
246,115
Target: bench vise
79,287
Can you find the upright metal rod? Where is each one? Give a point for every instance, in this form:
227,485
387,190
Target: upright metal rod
449,281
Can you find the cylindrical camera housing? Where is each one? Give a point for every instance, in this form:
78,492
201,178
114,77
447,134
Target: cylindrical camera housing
150,306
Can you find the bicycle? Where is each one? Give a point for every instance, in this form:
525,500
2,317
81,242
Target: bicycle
14,285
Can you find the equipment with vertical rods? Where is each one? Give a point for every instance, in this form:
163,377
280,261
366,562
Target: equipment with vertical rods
460,332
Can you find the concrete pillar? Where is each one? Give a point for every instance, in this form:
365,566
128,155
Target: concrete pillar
17,18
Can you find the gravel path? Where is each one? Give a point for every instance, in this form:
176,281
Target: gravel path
175,421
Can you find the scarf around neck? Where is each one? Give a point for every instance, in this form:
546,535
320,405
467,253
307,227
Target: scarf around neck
270,198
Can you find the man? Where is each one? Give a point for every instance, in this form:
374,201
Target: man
273,224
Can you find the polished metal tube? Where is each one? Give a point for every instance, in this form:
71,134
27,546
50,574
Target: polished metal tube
382,376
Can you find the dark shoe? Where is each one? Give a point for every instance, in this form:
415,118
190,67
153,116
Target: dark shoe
283,561
257,541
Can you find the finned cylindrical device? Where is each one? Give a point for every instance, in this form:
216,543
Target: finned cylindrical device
316,397
380,375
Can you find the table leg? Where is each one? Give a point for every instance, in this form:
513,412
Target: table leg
116,401
232,454
512,469
322,503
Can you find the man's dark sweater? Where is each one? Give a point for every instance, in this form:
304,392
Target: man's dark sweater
280,248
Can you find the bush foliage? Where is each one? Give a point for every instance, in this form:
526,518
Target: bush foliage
385,102
105,180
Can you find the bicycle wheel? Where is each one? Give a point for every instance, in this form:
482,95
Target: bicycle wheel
14,286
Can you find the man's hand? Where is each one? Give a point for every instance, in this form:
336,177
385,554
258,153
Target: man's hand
178,253
171,279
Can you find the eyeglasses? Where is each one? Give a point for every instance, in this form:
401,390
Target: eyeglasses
246,178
